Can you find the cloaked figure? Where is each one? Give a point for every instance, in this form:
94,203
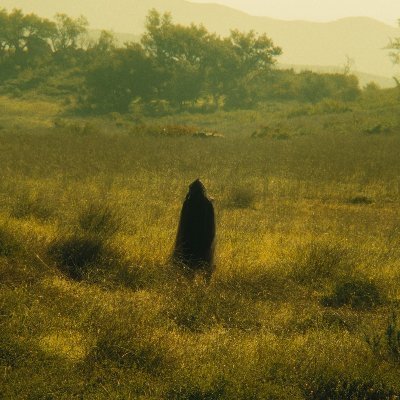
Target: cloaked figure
194,246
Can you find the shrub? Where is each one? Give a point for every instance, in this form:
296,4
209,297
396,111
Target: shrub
300,111
85,129
257,284
99,219
8,243
330,106
376,129
241,197
197,307
359,200
177,130
30,204
356,292
77,253
216,392
321,261
342,387
275,132
387,342
392,337
76,128
126,342
158,108
128,351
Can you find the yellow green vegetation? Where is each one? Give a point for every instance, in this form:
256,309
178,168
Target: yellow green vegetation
304,302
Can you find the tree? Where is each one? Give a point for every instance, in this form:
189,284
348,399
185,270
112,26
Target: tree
394,46
105,44
196,63
220,64
254,57
120,77
3,37
179,53
25,38
38,40
69,31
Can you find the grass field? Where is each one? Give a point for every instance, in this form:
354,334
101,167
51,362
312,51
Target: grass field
305,300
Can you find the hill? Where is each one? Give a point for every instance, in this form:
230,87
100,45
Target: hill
304,43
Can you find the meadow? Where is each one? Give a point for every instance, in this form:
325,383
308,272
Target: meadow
304,302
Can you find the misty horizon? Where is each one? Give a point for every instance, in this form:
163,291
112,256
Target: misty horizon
387,11
305,44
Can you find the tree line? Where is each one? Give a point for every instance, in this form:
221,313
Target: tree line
27,40
173,67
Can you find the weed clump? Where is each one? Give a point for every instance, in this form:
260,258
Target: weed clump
76,254
356,292
386,343
241,197
344,388
376,129
276,133
8,243
76,128
392,336
360,200
194,308
321,261
30,204
99,219
165,130
129,351
89,249
128,343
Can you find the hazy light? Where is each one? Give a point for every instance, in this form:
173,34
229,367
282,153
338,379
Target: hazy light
317,10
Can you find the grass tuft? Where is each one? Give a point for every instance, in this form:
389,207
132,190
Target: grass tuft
356,292
360,200
76,254
29,204
9,245
99,219
321,261
241,197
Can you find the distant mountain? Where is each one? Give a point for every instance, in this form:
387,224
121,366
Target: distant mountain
304,43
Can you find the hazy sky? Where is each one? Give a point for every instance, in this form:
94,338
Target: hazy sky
317,10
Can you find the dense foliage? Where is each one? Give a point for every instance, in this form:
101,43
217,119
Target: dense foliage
172,68
394,46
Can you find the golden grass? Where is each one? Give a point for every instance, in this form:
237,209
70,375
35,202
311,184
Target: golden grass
134,327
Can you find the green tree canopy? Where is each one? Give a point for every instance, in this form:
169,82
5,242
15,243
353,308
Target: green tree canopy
197,63
68,32
119,78
394,46
25,37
